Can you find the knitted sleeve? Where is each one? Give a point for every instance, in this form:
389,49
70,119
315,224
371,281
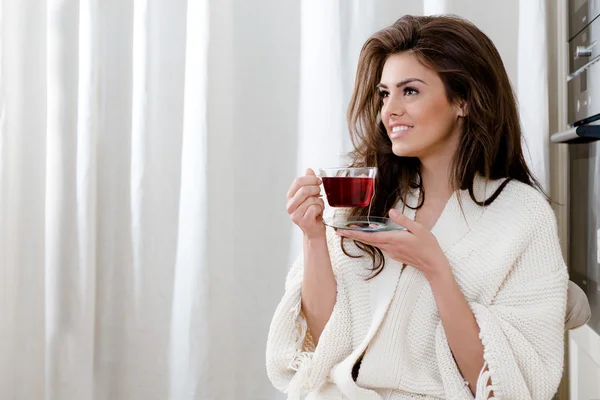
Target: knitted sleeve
522,329
294,366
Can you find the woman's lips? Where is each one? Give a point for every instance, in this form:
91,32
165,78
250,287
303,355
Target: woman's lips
399,131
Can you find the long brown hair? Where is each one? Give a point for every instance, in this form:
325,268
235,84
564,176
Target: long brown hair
472,72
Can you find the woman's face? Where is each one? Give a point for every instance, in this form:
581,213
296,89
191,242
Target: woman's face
416,113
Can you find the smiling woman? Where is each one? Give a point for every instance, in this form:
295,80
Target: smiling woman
470,298
443,102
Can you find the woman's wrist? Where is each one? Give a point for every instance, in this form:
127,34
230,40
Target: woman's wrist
315,237
439,274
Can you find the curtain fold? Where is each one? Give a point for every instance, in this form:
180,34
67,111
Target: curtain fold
67,312
532,87
321,114
435,7
22,190
87,132
113,22
189,341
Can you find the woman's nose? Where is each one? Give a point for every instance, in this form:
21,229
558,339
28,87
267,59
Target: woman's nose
393,107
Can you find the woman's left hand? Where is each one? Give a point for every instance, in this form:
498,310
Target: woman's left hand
416,246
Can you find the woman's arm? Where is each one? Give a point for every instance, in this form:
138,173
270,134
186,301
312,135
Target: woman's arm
319,287
294,365
459,325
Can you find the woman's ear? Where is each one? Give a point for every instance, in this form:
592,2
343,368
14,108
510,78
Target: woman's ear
462,108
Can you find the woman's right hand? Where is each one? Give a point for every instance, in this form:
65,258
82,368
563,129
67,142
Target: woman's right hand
305,205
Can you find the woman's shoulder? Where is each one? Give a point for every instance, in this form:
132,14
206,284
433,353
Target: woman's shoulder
528,197
525,203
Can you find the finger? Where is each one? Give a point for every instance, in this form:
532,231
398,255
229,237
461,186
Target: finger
299,215
293,188
307,180
311,201
310,172
300,197
376,239
313,212
404,221
379,245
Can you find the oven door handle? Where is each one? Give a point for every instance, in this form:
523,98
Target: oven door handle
584,51
578,134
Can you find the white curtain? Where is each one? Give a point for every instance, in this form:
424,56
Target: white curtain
103,192
145,150
435,7
533,87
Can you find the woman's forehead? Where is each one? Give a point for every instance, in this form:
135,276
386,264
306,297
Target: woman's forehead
404,66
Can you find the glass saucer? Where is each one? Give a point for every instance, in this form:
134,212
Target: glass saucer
363,224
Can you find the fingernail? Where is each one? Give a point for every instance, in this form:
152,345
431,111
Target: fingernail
394,213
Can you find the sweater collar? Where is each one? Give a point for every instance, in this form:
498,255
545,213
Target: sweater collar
460,214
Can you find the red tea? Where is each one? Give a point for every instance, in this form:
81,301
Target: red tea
348,191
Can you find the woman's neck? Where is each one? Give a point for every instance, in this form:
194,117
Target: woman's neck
436,176
436,170
436,181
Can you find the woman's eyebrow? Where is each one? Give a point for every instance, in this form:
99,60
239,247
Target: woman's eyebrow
401,83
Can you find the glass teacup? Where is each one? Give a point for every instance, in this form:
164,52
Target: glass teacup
348,187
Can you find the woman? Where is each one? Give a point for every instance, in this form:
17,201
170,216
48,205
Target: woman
470,300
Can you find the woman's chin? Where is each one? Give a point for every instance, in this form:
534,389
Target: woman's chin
402,151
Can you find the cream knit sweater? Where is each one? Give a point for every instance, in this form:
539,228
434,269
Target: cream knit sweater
506,259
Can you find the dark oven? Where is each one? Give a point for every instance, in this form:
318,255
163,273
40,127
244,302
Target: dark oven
584,150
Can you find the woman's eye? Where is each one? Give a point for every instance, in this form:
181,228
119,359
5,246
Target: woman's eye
408,91
384,94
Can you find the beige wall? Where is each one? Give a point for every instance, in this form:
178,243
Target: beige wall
557,86
557,70
497,19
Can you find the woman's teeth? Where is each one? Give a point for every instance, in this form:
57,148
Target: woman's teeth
400,128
